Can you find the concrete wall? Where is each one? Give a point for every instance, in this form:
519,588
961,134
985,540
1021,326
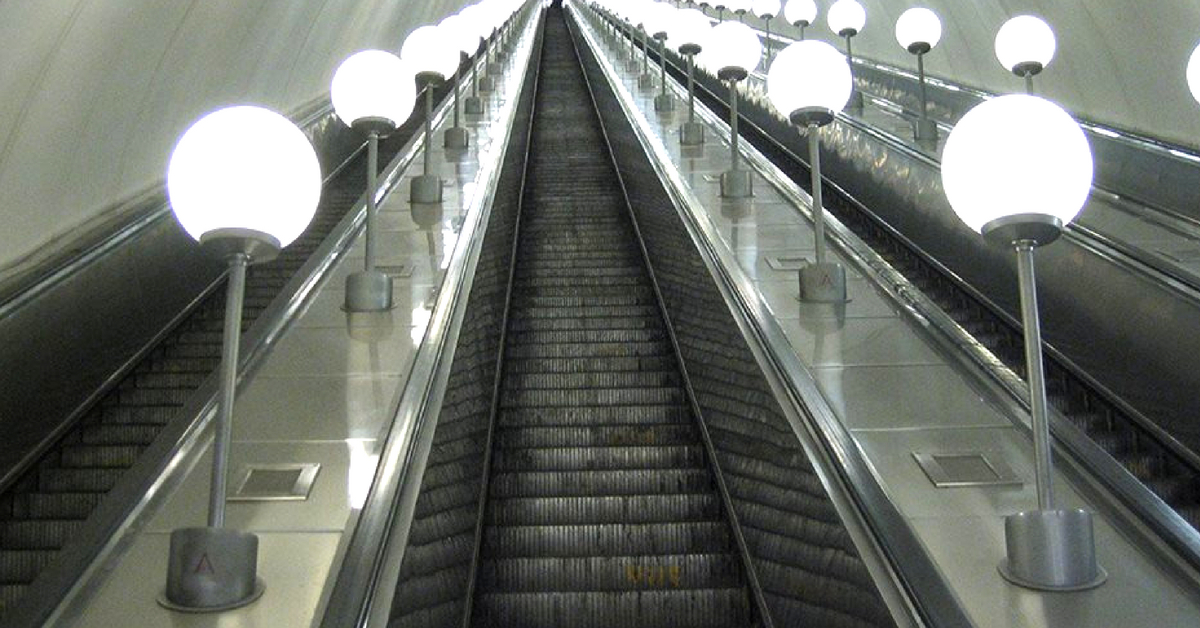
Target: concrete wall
94,93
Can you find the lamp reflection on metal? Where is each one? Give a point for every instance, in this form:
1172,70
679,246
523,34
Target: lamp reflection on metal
244,182
998,142
1025,45
918,30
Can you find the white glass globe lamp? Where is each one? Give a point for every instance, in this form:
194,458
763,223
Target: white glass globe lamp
809,82
847,18
918,30
734,49
371,90
464,35
766,9
1017,167
1193,74
738,6
800,12
689,31
1025,45
244,172
430,52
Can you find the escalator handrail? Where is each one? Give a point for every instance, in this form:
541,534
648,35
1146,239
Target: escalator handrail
365,584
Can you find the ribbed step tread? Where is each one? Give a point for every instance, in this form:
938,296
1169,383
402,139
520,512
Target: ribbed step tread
46,534
22,566
597,436
608,539
600,483
611,573
604,415
53,505
597,458
696,608
608,364
658,508
584,397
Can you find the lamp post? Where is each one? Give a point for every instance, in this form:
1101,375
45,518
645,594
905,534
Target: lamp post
691,30
244,182
1025,45
473,21
427,51
767,10
1016,169
918,30
810,82
801,13
645,79
464,40
739,8
663,102
371,93
847,18
734,49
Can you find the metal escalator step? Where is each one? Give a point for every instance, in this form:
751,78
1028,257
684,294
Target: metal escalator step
816,598
185,364
832,561
436,616
586,336
459,520
57,480
199,337
513,365
432,590
118,434
597,436
585,397
187,380
43,534
640,415
789,496
584,458
521,315
196,351
791,611
522,302
431,502
589,350
11,594
22,566
696,608
600,483
593,295
590,323
433,557
600,379
84,456
53,505
580,280
658,508
607,539
611,573
143,415
131,396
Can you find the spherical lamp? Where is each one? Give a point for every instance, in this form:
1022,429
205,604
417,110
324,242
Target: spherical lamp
371,88
1017,168
1025,45
847,18
1193,74
1017,158
801,13
371,92
244,170
244,181
918,30
733,51
739,7
690,32
808,83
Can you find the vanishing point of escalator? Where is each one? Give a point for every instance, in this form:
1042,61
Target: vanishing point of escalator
43,509
602,509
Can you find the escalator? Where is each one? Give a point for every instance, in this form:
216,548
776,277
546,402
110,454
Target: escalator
52,500
572,478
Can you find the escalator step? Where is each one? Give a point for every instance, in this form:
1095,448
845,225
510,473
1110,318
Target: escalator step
699,608
55,480
21,566
596,458
596,436
611,573
609,539
45,534
589,350
84,456
119,434
600,483
582,397
594,336
515,366
53,505
658,508
641,415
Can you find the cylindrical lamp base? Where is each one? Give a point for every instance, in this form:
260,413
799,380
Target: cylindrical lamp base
487,83
493,69
925,130
456,138
426,188
368,291
635,64
737,184
473,105
211,570
823,283
664,103
691,134
646,81
1051,550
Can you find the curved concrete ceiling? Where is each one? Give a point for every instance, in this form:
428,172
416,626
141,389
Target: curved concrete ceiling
94,93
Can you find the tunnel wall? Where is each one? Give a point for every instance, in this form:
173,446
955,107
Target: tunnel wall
94,93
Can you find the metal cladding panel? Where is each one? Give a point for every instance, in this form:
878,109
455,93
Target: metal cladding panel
808,567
